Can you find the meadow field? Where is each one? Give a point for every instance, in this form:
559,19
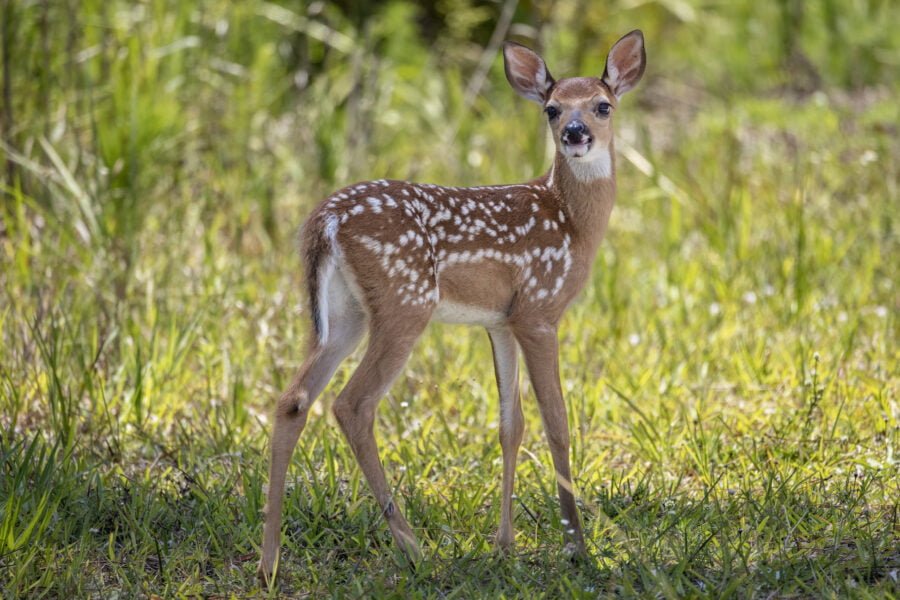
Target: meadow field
730,370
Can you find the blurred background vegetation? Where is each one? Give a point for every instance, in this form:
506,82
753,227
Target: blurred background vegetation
158,156
125,107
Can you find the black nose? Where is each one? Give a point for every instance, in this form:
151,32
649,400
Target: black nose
576,127
574,131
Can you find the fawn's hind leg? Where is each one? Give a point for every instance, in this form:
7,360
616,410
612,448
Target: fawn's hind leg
290,418
389,348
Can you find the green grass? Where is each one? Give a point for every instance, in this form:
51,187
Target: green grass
731,369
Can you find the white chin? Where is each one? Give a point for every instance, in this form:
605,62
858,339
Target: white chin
577,151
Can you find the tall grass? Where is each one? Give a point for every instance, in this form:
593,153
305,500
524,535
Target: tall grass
730,369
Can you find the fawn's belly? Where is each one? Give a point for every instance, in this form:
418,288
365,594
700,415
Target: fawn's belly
448,311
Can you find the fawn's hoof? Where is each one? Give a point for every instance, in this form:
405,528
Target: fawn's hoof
264,574
577,553
409,545
504,542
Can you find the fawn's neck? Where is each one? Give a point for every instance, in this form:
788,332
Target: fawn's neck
588,191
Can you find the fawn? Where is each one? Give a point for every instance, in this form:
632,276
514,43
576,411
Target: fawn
389,256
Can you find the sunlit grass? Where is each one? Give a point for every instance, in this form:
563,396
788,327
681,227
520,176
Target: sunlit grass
730,369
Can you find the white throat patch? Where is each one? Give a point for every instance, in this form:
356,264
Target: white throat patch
597,164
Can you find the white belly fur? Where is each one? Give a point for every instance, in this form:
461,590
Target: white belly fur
465,314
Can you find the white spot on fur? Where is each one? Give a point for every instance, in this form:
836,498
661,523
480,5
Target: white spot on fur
371,243
375,203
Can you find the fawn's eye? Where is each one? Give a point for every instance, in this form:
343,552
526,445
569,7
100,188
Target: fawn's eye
552,112
603,109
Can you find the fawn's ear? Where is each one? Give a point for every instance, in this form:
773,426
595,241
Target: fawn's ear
625,63
526,72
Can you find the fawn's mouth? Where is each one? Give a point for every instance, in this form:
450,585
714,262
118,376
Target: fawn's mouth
577,148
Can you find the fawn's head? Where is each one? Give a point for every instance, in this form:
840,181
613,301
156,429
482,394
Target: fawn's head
579,109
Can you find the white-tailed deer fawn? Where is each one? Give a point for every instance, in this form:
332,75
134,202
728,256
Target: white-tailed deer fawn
389,256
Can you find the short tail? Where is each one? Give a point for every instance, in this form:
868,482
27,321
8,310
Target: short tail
317,239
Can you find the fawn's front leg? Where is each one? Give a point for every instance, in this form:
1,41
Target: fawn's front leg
541,350
512,425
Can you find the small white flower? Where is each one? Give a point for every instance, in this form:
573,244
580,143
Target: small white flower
881,311
750,297
634,339
715,309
